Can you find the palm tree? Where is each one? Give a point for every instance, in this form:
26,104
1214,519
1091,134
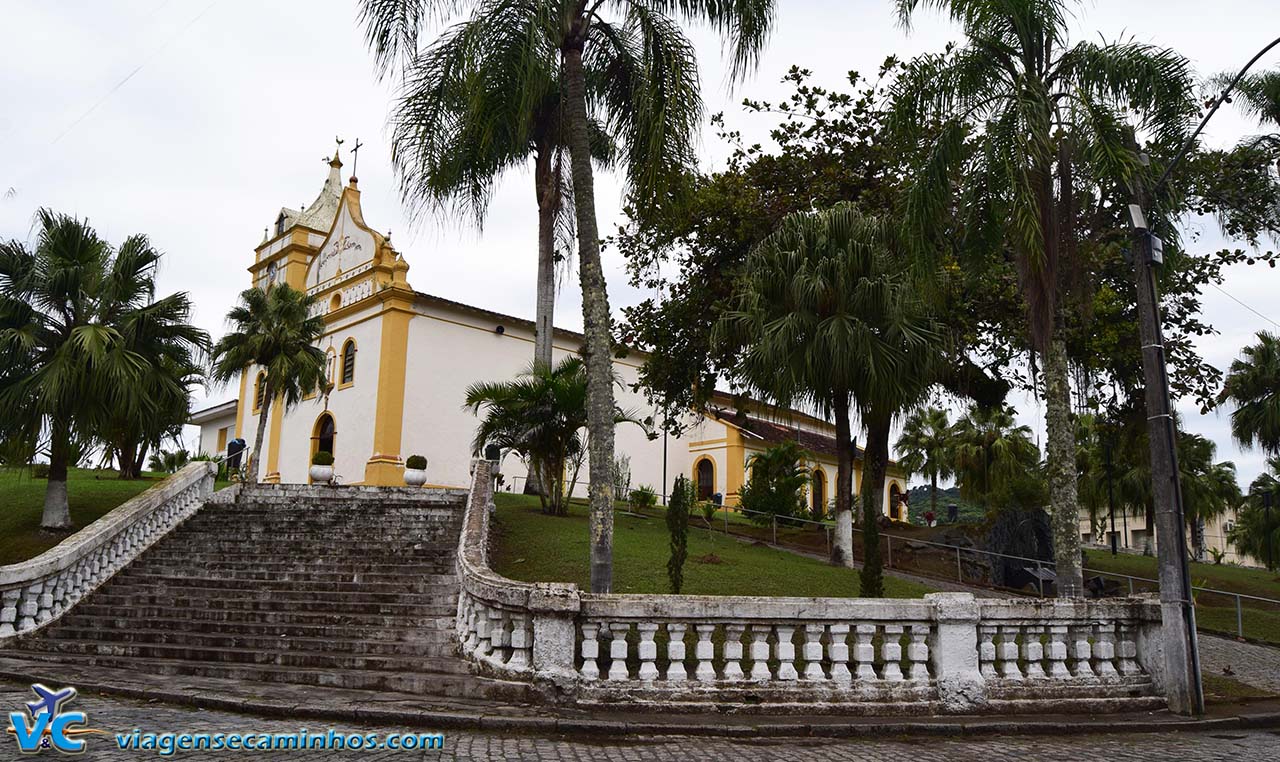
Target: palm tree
71,309
456,130
991,450
540,416
826,317
273,329
924,447
1027,119
651,74
169,462
1209,489
1253,385
1257,529
777,482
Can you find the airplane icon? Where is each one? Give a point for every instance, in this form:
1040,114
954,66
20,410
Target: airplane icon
50,701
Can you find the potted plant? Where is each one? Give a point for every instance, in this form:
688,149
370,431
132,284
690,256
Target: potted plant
322,467
415,471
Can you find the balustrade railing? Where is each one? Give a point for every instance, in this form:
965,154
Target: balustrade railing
33,593
945,651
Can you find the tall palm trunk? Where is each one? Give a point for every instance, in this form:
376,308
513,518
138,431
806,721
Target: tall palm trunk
547,192
1060,457
255,457
933,493
873,466
842,548
57,514
595,319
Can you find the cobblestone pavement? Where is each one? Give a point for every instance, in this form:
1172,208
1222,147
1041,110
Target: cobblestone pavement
123,715
1256,665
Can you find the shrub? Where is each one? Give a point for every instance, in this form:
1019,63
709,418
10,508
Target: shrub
678,526
40,470
1218,555
621,477
322,458
776,486
708,509
643,498
416,462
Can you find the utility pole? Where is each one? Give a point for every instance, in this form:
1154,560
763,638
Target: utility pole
1182,654
1266,504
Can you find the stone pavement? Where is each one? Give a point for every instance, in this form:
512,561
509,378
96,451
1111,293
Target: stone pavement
123,715
1256,665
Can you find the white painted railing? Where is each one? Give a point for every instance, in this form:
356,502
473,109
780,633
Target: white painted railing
36,592
944,652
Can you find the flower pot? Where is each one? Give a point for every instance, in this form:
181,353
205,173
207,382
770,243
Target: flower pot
321,474
415,477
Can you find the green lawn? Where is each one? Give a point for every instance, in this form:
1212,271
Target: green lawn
536,548
91,494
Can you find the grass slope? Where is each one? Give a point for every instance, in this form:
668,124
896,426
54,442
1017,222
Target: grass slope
91,494
536,548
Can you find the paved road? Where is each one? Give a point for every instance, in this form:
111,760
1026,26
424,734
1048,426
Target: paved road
1256,665
123,715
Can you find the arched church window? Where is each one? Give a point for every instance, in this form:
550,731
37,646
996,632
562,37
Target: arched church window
348,362
259,388
324,434
819,493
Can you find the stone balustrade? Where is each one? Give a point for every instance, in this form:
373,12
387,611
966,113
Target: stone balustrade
947,652
34,593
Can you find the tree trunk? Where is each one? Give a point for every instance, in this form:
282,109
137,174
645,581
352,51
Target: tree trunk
595,318
547,192
933,494
135,469
255,456
57,514
842,548
1060,456
873,466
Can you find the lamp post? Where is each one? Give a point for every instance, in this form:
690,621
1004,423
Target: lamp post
1266,505
1182,655
1111,505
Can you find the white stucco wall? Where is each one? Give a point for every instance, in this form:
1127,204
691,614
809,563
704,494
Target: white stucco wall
209,428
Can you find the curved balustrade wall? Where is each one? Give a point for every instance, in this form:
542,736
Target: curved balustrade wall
944,652
36,592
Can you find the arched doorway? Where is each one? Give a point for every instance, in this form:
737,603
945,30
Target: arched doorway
895,502
705,471
323,434
819,493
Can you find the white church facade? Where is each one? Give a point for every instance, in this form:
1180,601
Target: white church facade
399,361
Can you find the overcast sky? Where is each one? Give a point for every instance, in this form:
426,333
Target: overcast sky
228,107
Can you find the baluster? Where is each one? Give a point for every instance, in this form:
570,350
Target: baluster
472,638
760,652
499,639
675,651
1033,651
1081,649
521,641
864,651
987,650
1007,652
590,651
918,653
813,652
1058,652
785,652
9,612
733,651
29,608
648,650
891,652
1104,650
838,649
705,651
618,646
1127,651
484,645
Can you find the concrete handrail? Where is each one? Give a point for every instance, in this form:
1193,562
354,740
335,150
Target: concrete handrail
37,591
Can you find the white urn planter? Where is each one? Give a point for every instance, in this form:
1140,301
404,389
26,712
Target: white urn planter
415,477
321,474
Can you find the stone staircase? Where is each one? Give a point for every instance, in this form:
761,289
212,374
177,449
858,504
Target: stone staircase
347,587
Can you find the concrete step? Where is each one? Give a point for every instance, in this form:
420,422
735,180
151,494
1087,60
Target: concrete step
427,644
423,573
450,684
391,629
336,563
427,583
396,604
310,546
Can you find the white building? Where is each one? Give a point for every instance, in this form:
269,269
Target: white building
1133,534
401,359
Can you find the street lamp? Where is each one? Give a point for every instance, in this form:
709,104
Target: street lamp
1182,654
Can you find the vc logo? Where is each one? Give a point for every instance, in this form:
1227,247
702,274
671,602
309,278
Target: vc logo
49,726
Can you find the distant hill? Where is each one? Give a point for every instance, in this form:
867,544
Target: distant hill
918,498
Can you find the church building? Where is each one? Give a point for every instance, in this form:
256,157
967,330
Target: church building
400,360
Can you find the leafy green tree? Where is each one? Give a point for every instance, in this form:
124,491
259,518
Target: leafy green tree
273,330
776,485
1253,386
924,447
652,68
169,461
677,517
992,455
73,310
828,317
1257,530
1026,118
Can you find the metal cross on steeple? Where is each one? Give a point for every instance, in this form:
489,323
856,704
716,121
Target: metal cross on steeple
355,156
